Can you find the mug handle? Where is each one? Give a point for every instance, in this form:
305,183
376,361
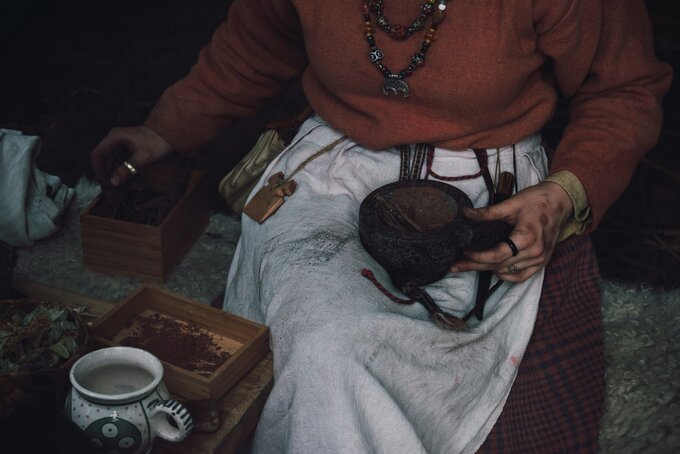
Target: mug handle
159,411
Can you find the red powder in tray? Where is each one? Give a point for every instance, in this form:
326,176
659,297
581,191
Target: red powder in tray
177,343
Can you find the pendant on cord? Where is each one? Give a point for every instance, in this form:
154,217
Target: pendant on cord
395,85
270,197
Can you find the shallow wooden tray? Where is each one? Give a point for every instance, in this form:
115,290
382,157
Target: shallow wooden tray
146,251
246,342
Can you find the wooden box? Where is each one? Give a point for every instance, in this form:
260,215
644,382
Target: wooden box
146,251
245,341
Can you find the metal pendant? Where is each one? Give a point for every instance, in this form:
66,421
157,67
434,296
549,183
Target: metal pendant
395,85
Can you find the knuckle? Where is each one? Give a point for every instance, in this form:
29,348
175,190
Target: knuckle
495,260
536,250
519,277
122,173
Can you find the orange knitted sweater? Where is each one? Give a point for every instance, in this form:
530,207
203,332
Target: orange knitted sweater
490,79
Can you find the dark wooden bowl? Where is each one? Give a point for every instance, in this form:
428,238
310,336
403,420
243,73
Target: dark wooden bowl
416,230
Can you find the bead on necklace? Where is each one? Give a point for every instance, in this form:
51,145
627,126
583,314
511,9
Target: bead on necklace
394,82
400,31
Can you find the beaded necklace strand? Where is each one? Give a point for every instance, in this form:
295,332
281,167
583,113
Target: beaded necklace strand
394,82
401,31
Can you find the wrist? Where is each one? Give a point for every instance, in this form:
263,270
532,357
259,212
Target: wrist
581,216
560,200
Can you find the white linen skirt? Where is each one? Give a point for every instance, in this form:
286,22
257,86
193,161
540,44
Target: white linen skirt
355,372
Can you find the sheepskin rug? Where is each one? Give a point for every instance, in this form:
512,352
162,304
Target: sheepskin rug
642,324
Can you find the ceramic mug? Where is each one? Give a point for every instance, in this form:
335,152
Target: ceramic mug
118,398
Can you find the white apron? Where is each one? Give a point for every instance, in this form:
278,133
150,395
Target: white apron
353,371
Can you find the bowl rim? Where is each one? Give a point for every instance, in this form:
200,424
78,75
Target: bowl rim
365,215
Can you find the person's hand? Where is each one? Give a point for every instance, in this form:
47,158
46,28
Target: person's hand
537,213
143,145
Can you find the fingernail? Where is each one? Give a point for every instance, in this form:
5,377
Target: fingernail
115,180
455,269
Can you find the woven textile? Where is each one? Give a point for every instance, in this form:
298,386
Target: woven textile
557,400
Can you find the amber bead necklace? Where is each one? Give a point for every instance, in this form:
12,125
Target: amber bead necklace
394,82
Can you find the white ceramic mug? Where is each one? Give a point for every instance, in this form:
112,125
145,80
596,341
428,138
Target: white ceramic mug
118,398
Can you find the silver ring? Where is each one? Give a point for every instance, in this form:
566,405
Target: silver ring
130,168
512,269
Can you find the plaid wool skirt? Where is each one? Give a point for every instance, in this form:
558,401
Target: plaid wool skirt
557,400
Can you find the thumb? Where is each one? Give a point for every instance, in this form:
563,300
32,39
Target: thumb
484,213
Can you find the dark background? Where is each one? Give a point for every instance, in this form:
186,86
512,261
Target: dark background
70,70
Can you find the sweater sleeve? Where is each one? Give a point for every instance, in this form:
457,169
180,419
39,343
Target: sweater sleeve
603,60
251,58
581,218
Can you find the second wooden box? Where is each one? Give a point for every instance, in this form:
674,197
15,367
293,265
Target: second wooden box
205,351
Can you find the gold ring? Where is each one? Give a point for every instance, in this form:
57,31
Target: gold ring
511,269
130,168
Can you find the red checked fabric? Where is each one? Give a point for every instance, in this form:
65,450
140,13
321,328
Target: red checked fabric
557,400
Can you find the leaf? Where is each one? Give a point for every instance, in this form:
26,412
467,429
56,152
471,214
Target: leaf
66,347
60,349
56,313
79,309
67,325
71,344
53,335
28,318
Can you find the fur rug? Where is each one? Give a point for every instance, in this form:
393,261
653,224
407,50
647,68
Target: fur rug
642,324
